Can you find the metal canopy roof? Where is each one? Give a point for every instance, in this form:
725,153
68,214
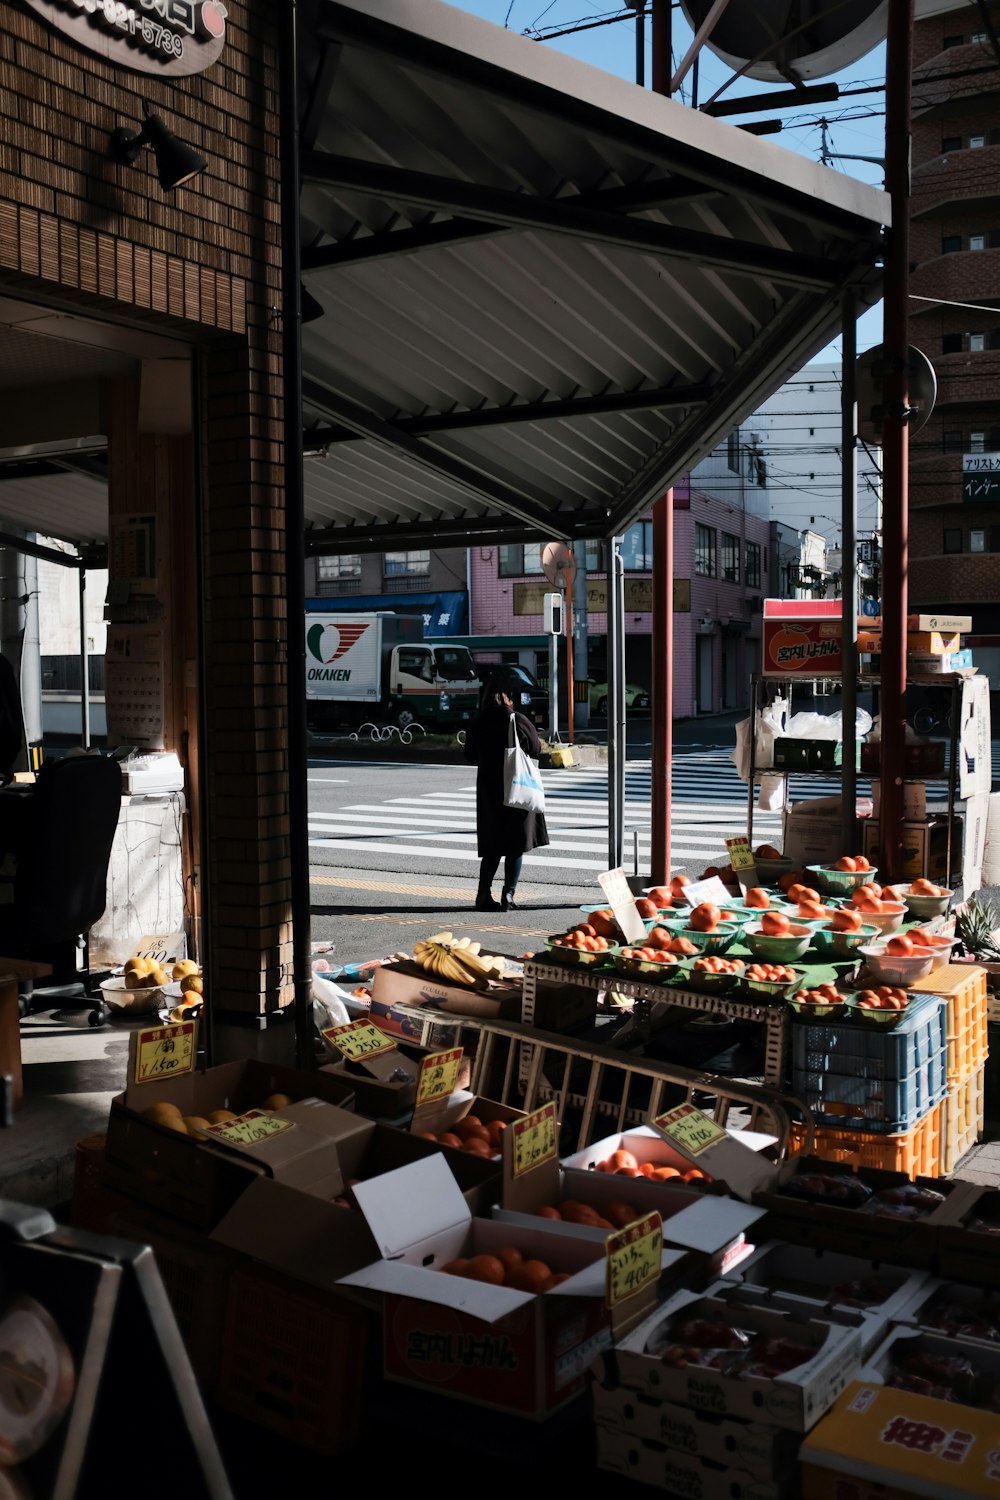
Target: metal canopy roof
547,292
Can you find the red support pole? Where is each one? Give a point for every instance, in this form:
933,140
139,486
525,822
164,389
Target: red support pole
895,437
661,63
663,687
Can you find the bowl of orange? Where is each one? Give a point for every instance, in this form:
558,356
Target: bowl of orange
923,899
712,974
824,1003
843,876
777,938
887,916
896,962
883,1005
830,941
771,864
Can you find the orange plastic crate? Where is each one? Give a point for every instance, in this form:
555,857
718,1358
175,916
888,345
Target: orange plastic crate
917,1152
964,1116
964,988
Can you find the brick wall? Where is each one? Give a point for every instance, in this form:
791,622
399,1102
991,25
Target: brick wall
203,262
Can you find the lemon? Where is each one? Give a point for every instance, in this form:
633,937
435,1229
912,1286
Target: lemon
194,1124
220,1116
276,1101
162,1113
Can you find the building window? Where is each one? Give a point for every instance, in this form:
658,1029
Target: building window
995,538
596,557
704,550
976,141
730,557
951,343
751,565
516,560
733,450
952,539
953,442
950,243
333,569
977,343
977,541
977,442
951,143
637,548
977,242
953,41
406,564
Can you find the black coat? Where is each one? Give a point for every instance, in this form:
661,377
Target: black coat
501,830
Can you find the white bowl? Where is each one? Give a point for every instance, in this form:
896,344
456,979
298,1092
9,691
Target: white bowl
885,921
778,948
145,998
895,968
923,907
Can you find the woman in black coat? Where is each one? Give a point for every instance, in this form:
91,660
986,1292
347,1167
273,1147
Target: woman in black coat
505,833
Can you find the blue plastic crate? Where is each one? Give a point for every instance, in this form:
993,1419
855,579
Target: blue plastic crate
862,1049
891,1105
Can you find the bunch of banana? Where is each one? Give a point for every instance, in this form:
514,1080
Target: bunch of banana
454,959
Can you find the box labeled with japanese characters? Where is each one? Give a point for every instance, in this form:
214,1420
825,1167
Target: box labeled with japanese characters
932,642
713,1354
513,1349
897,1443
689,1142
824,1283
650,1462
755,1447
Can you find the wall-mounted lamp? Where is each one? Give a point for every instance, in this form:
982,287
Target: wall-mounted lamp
176,162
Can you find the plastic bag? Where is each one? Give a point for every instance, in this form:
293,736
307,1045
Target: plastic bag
813,726
770,723
329,1003
740,755
772,794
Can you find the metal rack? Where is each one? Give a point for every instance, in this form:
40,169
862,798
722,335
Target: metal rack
774,1018
950,777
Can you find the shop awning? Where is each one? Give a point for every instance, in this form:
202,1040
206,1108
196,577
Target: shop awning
445,613
547,292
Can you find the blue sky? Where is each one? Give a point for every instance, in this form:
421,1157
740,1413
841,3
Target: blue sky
856,124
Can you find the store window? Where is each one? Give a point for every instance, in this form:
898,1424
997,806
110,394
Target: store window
704,550
952,539
406,564
637,548
953,441
751,565
730,557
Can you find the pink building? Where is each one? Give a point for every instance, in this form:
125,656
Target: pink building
721,563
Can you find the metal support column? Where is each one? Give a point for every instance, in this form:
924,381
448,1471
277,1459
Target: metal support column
849,561
895,437
663,686
84,665
616,704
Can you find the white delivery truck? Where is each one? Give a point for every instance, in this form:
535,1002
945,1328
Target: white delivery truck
378,666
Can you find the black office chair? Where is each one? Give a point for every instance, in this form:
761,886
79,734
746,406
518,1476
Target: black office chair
56,834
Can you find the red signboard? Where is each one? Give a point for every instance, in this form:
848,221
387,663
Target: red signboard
803,647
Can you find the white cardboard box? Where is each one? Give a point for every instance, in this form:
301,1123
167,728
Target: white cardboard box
736,1160
760,1449
975,766
795,1400
667,1469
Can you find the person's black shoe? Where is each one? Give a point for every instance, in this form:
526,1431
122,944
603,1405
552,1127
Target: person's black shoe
487,903
507,901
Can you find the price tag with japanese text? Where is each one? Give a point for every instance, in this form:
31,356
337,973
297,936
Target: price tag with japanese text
161,947
359,1040
634,1258
690,1129
614,884
740,854
246,1130
438,1076
534,1139
165,1051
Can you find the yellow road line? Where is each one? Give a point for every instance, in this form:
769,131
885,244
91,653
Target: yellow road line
388,916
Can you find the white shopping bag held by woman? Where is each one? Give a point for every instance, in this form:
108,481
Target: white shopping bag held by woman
522,782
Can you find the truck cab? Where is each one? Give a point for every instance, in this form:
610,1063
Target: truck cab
432,684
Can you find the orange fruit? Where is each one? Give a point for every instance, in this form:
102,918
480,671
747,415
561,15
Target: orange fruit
548,1212
531,1276
704,917
755,896
619,1159
456,1267
620,1212
486,1268
900,945
478,1145
511,1258
774,923
845,921
448,1139
845,862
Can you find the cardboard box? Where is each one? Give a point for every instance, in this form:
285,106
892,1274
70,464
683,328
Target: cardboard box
932,642
760,1450
914,1445
975,765
919,758
197,1180
316,1240
946,623
925,847
812,831
825,1283
931,666
490,1345
735,1162
807,646
956,1309
384,1086
653,1463
965,1251
795,1400
914,800
827,1225
406,984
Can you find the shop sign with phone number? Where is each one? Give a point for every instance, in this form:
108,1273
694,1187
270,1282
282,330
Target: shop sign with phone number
169,38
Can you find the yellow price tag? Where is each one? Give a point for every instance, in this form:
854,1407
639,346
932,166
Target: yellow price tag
164,1051
359,1039
438,1076
247,1130
634,1257
690,1128
534,1139
740,854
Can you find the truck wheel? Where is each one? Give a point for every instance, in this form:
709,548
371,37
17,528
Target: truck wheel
404,717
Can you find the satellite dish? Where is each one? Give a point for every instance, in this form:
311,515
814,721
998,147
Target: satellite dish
558,564
771,37
868,374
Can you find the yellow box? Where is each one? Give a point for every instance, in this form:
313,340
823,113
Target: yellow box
932,642
878,1440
